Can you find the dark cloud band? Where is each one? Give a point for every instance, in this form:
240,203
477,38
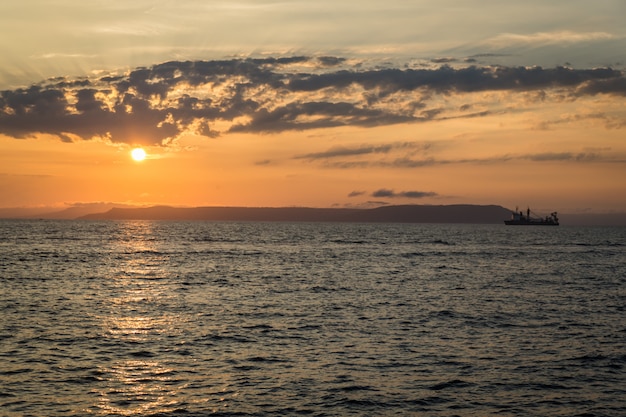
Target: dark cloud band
154,105
387,193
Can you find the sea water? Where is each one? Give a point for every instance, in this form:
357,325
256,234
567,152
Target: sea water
323,319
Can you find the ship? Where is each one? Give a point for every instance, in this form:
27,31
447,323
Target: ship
519,219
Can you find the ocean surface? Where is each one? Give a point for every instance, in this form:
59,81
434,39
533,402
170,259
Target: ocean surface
126,318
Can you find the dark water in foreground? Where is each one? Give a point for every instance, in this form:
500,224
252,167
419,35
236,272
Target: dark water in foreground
186,319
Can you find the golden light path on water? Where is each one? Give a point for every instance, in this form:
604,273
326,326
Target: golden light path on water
137,381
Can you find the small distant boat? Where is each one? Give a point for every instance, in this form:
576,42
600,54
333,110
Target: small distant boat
519,219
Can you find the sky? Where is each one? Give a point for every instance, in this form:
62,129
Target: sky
319,104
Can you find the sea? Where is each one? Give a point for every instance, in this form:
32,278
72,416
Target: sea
164,318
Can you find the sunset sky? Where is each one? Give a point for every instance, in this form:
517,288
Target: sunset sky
314,103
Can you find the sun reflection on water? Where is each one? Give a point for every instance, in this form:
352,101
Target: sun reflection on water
138,253
137,387
143,316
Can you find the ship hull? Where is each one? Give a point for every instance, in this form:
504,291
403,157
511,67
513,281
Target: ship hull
520,223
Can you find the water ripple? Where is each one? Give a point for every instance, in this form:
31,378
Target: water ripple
187,319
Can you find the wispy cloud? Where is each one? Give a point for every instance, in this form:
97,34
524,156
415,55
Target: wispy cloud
389,193
157,104
344,151
546,38
341,151
54,55
604,155
356,193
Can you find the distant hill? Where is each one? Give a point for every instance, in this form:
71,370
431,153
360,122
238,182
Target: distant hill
68,213
397,214
461,213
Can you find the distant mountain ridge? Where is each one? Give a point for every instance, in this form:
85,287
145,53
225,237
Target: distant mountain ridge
461,213
68,213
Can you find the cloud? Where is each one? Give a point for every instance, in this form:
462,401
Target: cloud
609,86
604,155
545,38
356,193
316,115
448,79
607,120
563,156
355,157
443,60
342,151
330,61
387,193
53,55
155,105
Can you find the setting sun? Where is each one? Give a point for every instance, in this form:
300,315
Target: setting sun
138,154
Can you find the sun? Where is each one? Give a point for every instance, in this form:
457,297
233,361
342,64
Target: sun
138,154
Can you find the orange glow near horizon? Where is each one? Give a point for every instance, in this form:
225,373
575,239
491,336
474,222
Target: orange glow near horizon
250,170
